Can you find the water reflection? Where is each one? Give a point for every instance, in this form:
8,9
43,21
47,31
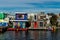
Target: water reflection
54,35
30,35
36,35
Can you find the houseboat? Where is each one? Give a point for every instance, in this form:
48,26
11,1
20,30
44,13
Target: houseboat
20,22
29,21
3,22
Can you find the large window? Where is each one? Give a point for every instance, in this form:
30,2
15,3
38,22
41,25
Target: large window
41,24
20,16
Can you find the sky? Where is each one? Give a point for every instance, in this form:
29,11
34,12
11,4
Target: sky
30,5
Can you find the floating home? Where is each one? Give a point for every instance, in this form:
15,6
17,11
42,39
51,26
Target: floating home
25,20
33,20
4,20
20,20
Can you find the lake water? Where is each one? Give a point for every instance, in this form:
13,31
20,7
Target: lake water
30,35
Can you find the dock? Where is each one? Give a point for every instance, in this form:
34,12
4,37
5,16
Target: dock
25,29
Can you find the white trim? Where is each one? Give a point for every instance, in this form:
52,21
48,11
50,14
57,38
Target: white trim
21,12
18,20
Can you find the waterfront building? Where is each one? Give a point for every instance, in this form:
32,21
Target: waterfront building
34,20
4,20
20,20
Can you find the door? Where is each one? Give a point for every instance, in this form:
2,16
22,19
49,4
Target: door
35,24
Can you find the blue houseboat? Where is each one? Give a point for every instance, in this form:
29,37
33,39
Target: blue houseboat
21,21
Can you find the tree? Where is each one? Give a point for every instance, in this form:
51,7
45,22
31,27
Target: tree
53,20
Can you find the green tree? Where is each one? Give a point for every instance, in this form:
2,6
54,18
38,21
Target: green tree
53,20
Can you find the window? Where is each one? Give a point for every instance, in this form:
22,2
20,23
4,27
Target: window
20,16
41,24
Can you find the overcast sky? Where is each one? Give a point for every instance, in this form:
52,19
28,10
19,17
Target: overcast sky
32,5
